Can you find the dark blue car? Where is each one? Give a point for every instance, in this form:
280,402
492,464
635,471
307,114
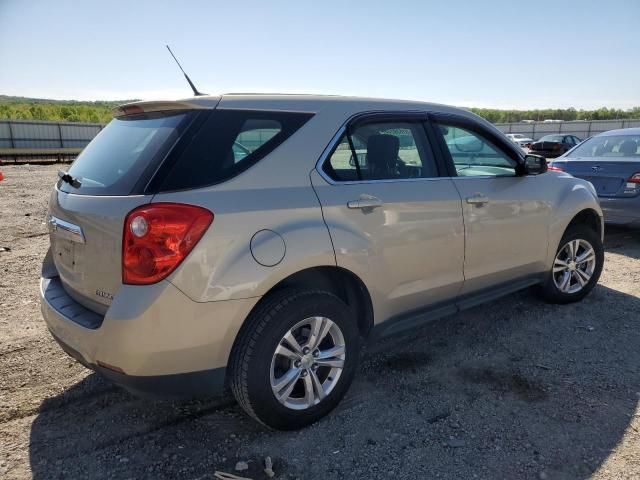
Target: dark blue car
611,162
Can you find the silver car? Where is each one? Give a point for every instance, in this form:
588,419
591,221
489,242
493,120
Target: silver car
181,264
611,162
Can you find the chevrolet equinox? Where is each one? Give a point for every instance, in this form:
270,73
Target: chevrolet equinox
255,242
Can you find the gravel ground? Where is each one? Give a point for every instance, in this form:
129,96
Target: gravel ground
513,389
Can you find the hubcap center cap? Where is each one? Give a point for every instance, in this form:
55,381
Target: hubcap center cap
572,265
307,360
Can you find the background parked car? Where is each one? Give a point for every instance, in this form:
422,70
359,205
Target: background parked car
552,146
611,162
520,139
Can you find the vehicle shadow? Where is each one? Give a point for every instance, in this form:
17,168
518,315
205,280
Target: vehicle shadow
622,238
509,390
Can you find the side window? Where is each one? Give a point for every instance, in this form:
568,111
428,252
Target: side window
382,151
229,142
474,155
253,134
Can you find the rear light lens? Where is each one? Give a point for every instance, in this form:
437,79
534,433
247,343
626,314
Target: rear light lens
635,178
555,169
158,237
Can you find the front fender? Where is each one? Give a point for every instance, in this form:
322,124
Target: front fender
574,196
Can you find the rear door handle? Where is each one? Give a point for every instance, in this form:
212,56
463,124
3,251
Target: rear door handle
478,199
365,202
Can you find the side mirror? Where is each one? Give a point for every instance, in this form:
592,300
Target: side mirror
534,164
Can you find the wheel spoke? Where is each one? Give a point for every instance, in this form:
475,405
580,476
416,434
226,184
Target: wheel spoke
317,385
331,362
285,384
566,282
582,277
285,352
586,256
309,397
319,329
559,265
291,340
331,352
571,251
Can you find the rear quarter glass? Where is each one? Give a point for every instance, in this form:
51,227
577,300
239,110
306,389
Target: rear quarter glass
228,143
126,153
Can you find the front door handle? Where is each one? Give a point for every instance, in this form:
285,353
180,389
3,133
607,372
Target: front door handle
478,199
365,202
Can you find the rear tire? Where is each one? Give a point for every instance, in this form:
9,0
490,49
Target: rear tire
282,374
577,266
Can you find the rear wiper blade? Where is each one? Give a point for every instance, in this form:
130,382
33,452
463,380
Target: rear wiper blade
65,177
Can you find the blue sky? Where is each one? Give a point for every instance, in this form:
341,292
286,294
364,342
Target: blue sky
503,54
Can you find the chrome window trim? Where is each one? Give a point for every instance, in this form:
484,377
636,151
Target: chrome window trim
343,128
336,138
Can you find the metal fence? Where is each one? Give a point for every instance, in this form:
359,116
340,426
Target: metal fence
581,129
28,139
31,134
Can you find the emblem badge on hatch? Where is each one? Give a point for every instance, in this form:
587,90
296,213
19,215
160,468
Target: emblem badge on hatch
596,168
106,295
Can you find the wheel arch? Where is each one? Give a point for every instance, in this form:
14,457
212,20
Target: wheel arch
339,281
588,217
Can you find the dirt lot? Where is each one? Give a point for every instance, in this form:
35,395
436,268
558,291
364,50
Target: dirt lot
516,389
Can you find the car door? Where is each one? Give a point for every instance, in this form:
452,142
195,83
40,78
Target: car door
506,214
394,221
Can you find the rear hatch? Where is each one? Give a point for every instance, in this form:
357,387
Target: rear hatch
609,176
88,206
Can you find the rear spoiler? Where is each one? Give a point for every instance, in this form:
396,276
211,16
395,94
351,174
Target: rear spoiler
201,103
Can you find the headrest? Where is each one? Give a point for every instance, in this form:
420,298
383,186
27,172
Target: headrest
628,147
382,149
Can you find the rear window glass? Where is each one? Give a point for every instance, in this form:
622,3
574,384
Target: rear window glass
552,138
229,142
126,151
624,146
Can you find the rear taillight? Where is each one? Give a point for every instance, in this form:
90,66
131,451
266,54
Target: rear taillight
157,237
635,178
555,169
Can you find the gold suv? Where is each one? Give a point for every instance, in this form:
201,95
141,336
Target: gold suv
256,241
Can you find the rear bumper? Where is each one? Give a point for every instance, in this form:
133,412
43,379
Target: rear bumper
153,341
621,211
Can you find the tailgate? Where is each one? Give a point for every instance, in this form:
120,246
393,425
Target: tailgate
86,244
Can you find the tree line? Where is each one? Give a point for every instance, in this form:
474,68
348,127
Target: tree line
567,114
21,108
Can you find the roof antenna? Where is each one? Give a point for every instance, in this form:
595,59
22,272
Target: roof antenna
193,87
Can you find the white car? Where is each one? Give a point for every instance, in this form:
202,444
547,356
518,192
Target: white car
520,139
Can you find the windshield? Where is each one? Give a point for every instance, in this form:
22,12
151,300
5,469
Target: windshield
551,138
609,146
123,153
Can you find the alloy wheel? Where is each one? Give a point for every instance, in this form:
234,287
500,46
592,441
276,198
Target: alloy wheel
573,266
307,363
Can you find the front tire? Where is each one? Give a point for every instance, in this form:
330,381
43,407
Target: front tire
577,266
295,358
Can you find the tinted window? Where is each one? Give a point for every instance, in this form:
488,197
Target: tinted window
626,146
126,150
383,151
475,155
229,142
